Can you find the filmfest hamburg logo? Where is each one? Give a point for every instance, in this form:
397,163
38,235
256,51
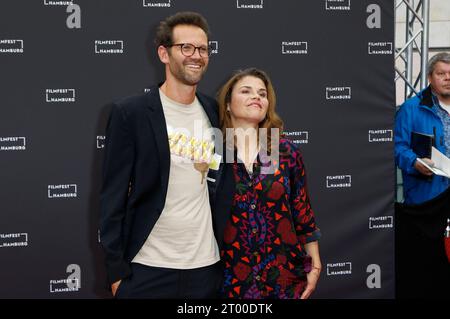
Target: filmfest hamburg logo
58,2
338,93
337,5
11,46
214,47
250,4
339,181
62,191
69,284
59,95
298,137
109,46
381,222
343,268
13,143
13,240
380,136
380,48
294,47
101,141
156,3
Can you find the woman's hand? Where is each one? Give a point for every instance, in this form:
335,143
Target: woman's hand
312,277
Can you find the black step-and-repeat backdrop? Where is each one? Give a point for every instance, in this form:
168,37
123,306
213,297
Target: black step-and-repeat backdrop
61,62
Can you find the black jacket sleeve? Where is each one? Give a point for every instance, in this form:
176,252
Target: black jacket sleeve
117,168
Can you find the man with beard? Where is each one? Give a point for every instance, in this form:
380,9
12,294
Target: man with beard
421,122
156,224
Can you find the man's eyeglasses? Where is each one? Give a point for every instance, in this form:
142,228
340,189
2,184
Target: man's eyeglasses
188,49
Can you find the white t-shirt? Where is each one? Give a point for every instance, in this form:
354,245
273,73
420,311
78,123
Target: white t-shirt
183,236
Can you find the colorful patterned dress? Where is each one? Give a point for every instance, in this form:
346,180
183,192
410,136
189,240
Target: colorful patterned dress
271,220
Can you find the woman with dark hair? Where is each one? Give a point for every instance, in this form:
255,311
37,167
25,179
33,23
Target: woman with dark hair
271,240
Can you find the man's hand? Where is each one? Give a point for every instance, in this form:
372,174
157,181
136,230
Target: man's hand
114,287
422,169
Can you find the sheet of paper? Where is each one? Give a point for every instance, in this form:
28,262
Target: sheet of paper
435,170
441,161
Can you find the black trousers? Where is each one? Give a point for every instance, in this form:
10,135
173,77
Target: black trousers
422,268
148,282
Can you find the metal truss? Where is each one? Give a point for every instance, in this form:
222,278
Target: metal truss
416,40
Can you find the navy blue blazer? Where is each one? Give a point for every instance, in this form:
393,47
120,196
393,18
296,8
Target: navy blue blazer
135,178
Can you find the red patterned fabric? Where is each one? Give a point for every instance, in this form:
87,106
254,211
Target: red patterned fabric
270,221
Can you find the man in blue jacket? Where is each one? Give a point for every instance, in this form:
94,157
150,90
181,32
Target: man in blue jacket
422,269
426,113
